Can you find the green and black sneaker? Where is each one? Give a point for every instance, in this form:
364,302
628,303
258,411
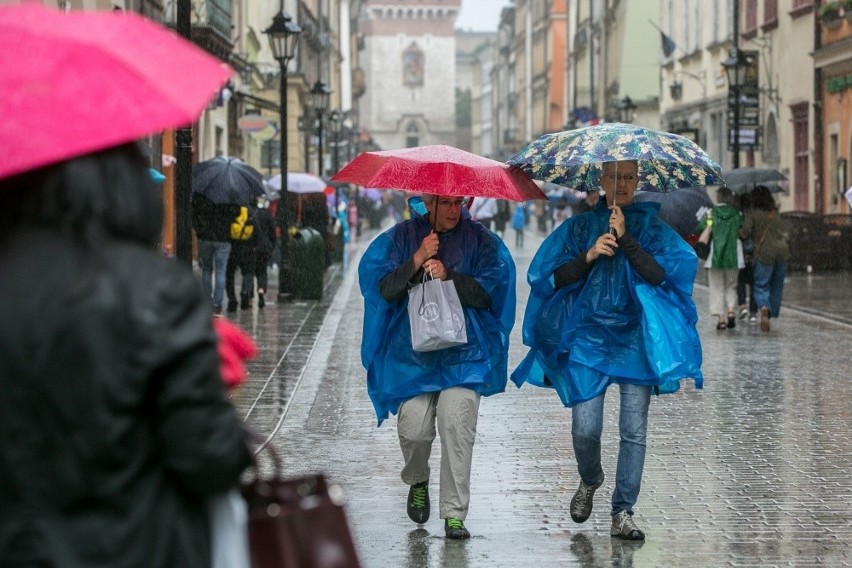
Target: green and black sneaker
455,528
418,502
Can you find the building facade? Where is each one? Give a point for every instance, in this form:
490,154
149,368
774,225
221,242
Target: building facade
409,68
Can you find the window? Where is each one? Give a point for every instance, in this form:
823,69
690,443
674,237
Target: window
801,172
750,17
770,12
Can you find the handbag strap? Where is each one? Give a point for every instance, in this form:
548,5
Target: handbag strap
763,234
421,309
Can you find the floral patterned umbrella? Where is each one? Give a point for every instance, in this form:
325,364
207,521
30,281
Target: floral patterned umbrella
574,158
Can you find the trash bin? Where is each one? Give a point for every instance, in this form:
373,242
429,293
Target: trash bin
307,264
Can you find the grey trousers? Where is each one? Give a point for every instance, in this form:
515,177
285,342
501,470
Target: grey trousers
456,410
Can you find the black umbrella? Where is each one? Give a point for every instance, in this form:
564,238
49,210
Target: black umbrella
227,180
680,208
743,180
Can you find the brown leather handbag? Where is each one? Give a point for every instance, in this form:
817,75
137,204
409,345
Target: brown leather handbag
296,522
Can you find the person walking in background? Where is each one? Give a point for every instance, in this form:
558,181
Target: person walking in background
745,275
484,209
264,233
606,286
440,387
501,219
589,201
212,225
771,252
519,223
725,258
243,251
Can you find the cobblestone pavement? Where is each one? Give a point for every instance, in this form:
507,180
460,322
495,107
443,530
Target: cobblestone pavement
754,470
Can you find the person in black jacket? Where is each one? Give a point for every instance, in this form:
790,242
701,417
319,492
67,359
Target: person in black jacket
264,232
212,224
115,430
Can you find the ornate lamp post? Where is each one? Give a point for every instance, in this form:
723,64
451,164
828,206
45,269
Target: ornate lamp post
283,38
735,66
320,95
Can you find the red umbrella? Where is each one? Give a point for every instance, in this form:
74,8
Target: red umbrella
440,170
78,82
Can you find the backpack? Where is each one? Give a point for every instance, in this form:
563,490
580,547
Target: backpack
242,227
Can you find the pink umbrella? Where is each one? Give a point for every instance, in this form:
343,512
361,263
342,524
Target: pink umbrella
440,170
78,82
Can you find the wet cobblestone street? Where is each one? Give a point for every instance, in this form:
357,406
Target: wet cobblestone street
754,470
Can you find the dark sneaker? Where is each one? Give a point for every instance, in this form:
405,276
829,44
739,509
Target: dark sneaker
732,321
232,306
217,310
260,301
455,529
581,504
418,502
245,302
623,527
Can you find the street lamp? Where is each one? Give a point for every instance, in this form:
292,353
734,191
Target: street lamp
283,38
735,66
320,95
336,118
626,108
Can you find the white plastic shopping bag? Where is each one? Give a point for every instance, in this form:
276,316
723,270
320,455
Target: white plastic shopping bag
228,530
436,316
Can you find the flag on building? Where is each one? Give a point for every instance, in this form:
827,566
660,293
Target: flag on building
668,44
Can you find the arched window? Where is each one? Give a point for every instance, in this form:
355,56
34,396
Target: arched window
412,136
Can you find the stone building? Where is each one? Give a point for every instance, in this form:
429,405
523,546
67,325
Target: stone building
409,65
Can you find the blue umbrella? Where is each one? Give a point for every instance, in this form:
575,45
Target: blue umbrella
227,180
574,158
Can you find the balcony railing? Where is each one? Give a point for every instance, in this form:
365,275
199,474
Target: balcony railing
211,25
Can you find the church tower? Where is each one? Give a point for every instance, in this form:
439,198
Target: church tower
410,72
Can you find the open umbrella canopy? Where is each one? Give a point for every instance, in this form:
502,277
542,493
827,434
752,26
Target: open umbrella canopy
682,209
227,180
52,67
743,180
439,170
574,158
298,182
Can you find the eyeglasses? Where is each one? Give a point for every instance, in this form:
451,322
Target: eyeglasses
621,177
459,202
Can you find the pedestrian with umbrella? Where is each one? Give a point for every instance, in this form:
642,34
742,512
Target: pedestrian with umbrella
116,429
610,300
437,390
222,190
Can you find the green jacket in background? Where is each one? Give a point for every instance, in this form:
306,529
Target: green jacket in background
727,221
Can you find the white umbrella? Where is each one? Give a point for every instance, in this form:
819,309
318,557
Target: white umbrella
298,182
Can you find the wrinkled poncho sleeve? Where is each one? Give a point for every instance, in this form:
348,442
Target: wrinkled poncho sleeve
395,372
611,326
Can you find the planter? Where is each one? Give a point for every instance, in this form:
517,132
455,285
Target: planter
831,23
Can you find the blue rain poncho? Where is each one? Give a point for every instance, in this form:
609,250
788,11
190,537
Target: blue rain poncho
395,372
611,326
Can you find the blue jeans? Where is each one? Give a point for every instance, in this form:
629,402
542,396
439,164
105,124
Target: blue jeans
769,285
586,428
213,255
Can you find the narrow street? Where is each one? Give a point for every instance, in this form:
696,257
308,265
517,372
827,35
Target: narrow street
752,470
